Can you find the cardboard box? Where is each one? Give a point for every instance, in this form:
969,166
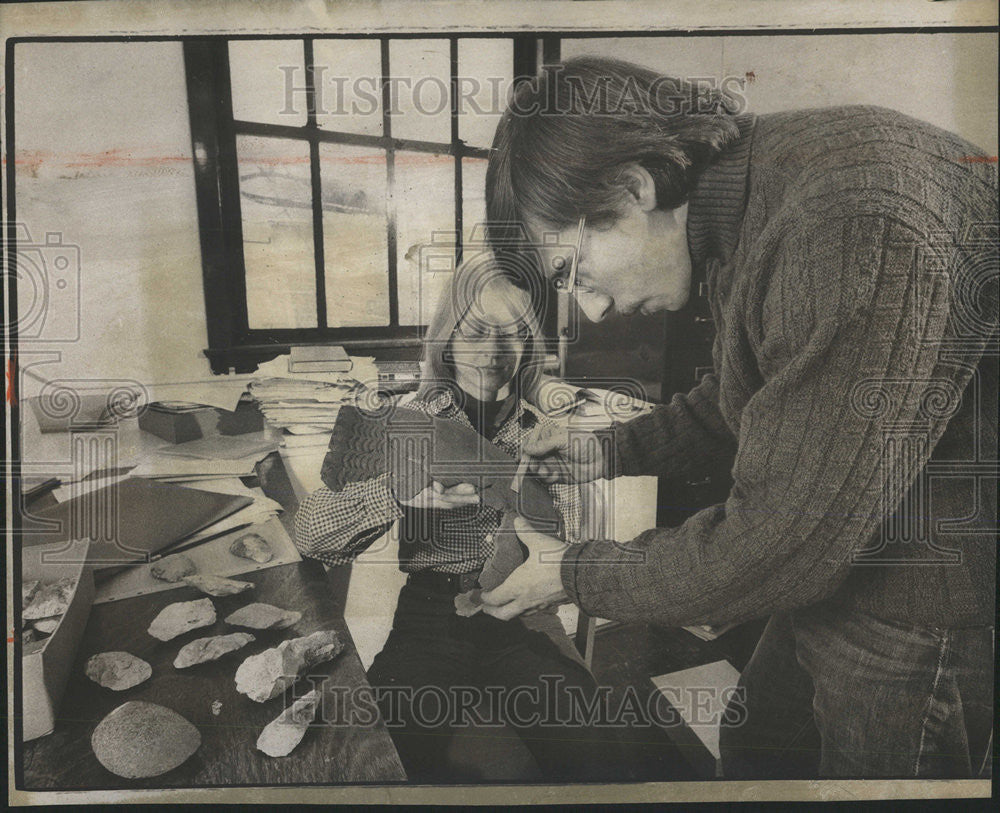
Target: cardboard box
45,669
180,427
203,422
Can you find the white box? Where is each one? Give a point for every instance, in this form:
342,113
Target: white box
45,670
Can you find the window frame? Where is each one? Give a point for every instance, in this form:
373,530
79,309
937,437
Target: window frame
232,343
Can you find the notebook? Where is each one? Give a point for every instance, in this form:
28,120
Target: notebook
133,519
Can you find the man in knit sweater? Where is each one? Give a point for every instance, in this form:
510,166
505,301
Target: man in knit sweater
851,261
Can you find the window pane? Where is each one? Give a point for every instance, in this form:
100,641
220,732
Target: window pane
425,226
485,75
349,83
355,243
276,204
258,70
421,72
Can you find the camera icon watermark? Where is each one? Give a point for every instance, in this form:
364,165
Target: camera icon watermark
45,277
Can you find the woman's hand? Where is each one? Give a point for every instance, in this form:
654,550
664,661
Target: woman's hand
438,498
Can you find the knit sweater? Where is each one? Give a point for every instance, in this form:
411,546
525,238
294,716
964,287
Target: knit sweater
851,259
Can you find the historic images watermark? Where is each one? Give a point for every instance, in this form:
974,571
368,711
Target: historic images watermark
547,704
429,95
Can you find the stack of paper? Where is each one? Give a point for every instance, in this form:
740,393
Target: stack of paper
302,406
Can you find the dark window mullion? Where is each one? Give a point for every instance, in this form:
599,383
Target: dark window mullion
317,187
390,180
229,192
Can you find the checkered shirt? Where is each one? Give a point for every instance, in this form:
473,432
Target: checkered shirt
334,527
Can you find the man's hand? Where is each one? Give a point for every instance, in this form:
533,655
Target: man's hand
439,498
536,583
558,455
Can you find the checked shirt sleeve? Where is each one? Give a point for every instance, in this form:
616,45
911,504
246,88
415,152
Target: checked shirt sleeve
335,526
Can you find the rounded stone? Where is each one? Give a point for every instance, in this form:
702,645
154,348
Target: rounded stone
173,568
139,740
117,670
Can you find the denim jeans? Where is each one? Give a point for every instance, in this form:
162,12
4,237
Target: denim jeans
833,692
431,646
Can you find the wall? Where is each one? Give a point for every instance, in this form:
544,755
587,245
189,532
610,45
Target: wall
103,156
947,79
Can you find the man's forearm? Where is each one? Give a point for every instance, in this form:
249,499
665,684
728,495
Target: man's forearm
686,437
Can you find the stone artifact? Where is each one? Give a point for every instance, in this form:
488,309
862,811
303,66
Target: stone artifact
28,590
261,677
173,568
139,740
253,547
212,648
46,626
50,600
218,585
281,735
117,670
470,603
263,617
183,616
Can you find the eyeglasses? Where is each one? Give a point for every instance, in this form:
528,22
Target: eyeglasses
567,283
479,332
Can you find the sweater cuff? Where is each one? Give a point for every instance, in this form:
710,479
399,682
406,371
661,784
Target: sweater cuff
625,452
568,571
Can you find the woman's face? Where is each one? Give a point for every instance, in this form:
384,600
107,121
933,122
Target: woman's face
488,344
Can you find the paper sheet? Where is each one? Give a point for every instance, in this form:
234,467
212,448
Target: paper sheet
688,690
165,466
210,558
224,447
221,391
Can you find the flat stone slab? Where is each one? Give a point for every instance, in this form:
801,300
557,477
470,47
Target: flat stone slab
202,650
263,617
281,735
267,674
217,585
183,616
173,568
253,547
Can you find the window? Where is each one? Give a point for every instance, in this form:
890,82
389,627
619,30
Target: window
339,181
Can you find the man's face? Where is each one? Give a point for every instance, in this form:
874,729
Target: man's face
638,264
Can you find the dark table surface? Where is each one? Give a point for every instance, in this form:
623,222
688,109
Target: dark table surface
348,743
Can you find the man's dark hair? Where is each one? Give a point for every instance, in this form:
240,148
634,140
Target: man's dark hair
567,134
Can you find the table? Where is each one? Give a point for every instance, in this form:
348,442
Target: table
329,754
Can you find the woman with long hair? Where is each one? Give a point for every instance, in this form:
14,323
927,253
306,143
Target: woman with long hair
445,681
